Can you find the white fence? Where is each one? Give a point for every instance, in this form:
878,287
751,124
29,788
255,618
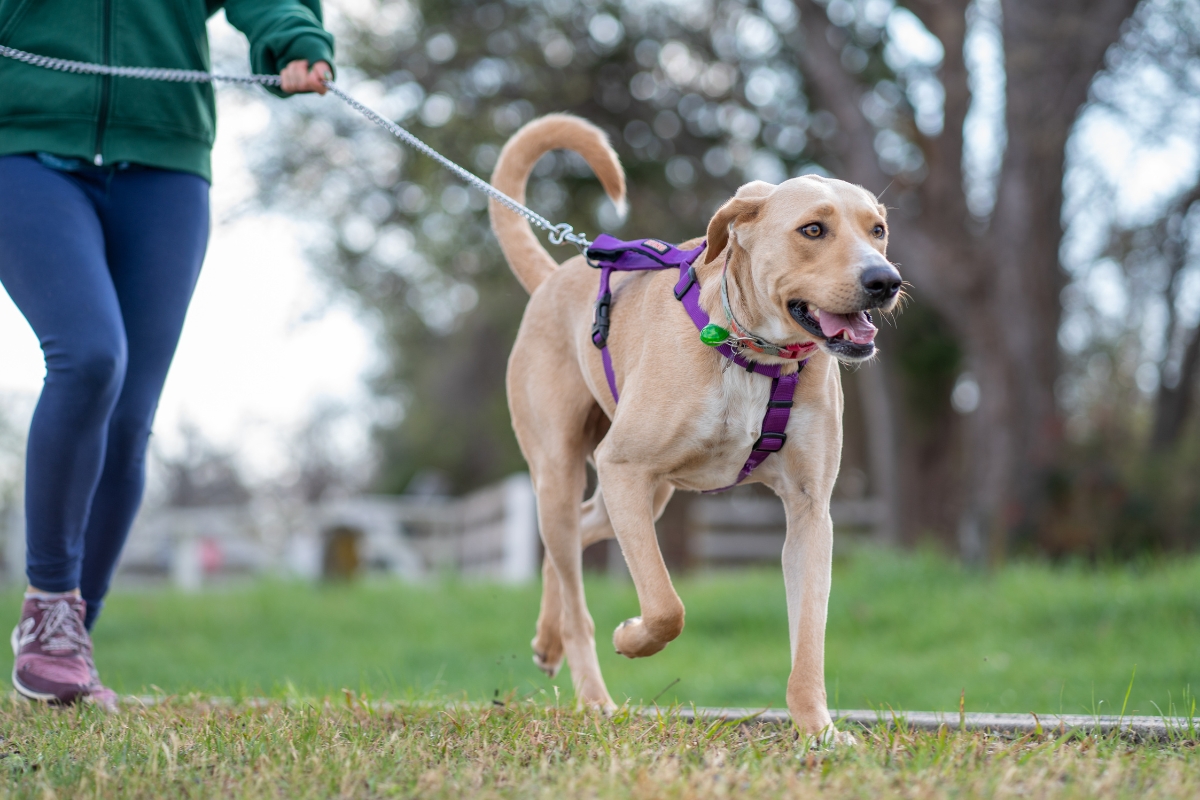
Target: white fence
490,534
739,529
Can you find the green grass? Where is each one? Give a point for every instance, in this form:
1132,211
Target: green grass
190,748
905,632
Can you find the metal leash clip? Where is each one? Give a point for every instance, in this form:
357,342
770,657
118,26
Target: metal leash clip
563,232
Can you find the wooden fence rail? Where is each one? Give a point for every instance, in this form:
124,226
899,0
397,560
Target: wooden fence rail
738,530
489,534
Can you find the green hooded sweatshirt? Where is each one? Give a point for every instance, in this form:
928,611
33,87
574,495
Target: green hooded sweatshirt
110,120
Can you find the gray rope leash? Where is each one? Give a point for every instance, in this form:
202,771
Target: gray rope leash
558,234
141,73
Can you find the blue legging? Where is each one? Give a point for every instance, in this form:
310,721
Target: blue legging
102,262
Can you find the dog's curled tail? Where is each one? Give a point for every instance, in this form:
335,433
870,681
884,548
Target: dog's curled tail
529,260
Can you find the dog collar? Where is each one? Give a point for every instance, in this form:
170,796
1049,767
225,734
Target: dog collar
739,337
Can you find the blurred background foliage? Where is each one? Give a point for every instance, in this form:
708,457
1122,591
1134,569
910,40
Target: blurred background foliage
669,84
700,97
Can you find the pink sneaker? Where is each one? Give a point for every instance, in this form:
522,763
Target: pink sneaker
97,692
52,650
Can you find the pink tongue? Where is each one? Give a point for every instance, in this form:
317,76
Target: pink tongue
857,326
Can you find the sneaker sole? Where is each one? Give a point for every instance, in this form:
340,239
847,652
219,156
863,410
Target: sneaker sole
23,690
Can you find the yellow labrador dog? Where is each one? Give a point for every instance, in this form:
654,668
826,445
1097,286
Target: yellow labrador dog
803,264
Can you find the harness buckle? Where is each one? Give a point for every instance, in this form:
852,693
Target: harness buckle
687,287
770,436
601,320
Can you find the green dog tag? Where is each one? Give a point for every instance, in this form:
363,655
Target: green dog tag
713,334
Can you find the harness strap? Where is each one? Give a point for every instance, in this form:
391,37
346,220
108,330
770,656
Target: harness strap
774,425
610,254
783,387
687,291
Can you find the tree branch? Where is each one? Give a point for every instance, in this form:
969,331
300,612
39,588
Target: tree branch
942,191
1173,404
835,90
839,93
930,251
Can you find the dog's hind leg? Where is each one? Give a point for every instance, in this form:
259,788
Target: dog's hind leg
548,641
595,524
558,490
551,409
594,527
633,501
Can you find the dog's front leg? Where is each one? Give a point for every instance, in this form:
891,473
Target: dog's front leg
807,560
633,500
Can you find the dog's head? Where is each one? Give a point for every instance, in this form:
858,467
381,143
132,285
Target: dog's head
809,261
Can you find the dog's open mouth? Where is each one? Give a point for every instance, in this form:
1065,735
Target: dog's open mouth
849,336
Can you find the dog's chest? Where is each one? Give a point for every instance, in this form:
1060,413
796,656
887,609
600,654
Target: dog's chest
729,422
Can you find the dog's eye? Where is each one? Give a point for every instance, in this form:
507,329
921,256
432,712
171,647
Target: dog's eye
813,230
878,231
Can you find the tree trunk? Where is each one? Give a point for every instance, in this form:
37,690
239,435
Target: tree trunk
997,285
882,458
1174,403
1052,51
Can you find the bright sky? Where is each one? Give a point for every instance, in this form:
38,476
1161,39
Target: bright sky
262,346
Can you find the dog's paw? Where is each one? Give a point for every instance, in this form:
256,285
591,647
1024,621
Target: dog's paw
548,662
633,639
604,707
828,739
835,738
551,670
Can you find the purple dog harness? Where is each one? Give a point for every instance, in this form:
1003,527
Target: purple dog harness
610,255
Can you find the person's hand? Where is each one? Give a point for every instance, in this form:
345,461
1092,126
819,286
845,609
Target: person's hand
297,77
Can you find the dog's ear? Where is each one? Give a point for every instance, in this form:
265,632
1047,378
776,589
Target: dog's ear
755,189
737,210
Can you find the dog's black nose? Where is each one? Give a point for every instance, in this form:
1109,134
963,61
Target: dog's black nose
881,283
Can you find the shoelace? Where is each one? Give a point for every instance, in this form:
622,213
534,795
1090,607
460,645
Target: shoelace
60,628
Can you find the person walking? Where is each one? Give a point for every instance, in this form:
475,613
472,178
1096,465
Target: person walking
104,221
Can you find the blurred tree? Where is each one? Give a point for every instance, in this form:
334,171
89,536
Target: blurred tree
12,466
1132,311
983,249
320,466
697,99
1153,88
202,474
1159,261
958,113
